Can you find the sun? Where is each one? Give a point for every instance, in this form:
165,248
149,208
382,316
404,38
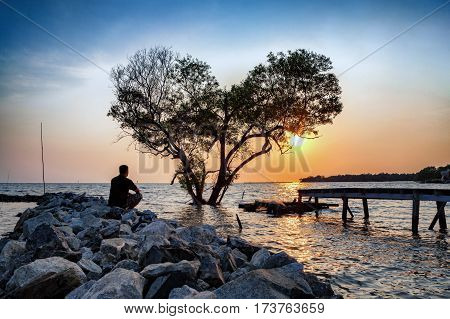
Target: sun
295,141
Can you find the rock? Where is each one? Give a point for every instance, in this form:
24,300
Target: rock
319,288
239,272
240,259
52,277
77,225
86,253
27,214
203,234
243,245
46,241
74,243
259,258
90,221
157,227
90,268
31,224
129,218
261,284
187,269
114,213
128,264
114,249
78,292
187,292
10,251
91,238
118,284
163,285
111,229
210,271
278,260
147,216
125,229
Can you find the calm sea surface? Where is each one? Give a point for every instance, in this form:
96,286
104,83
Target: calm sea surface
377,260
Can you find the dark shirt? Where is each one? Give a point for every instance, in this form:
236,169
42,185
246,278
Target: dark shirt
118,194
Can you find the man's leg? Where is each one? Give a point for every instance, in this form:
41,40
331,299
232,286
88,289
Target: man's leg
133,200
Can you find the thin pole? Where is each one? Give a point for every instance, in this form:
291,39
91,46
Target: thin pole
7,181
42,158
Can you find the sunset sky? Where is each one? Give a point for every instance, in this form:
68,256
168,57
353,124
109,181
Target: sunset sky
396,103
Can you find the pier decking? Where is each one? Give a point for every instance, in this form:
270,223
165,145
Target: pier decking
416,195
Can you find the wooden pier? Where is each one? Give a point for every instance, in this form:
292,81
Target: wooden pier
278,208
416,195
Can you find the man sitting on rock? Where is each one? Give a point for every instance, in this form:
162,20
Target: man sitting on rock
118,194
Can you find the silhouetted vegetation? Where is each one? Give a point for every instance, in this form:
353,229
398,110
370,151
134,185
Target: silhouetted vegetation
173,106
428,174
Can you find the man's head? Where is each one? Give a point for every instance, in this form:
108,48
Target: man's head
123,170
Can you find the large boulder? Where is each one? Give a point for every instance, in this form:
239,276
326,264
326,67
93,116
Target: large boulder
262,284
187,269
259,258
52,277
118,284
47,241
31,224
163,285
278,260
12,250
244,246
90,268
119,247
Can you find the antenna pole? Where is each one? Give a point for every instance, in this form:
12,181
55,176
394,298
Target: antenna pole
42,159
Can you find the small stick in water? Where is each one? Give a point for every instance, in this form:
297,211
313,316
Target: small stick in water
239,221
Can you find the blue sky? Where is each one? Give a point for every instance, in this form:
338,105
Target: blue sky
399,95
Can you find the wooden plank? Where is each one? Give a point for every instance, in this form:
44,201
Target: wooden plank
366,208
380,193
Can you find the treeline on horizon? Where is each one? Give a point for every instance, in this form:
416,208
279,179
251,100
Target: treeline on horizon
428,174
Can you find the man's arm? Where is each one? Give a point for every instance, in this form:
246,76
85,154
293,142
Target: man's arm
133,187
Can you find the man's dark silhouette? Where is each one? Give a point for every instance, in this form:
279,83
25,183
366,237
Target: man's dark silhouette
120,185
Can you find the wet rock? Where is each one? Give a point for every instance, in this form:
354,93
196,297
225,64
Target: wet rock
90,268
78,292
128,264
118,284
187,269
210,271
261,284
243,245
259,258
52,277
319,288
278,260
31,224
187,292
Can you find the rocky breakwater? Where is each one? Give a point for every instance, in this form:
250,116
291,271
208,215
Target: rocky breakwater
75,246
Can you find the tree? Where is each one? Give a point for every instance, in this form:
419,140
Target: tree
174,107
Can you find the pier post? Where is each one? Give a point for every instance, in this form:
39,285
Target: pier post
366,209
344,209
441,212
415,214
316,204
